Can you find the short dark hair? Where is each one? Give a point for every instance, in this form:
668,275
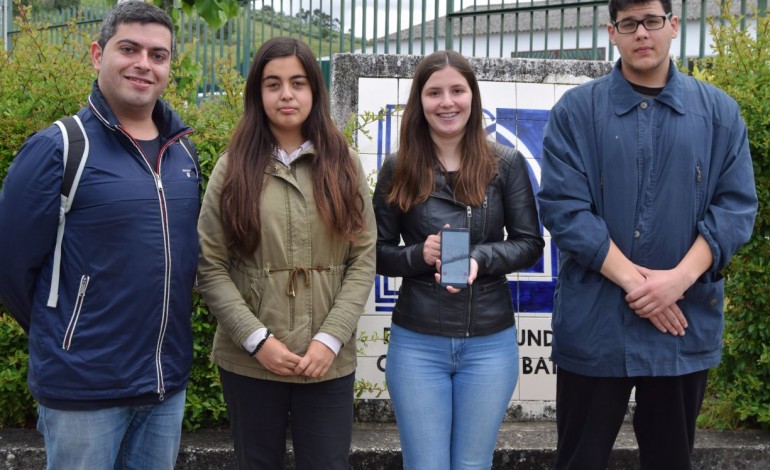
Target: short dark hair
617,5
133,11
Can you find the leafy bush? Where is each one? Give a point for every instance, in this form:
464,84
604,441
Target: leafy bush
740,387
16,405
205,406
39,83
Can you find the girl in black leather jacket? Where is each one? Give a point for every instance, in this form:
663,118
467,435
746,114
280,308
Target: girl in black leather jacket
452,355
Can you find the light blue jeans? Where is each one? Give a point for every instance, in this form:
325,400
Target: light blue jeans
121,437
450,396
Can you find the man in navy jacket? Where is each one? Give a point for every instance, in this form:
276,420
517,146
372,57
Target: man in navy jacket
647,190
110,349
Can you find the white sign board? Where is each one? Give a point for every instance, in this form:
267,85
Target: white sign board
515,115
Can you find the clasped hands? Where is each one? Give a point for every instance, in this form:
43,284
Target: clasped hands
277,358
655,297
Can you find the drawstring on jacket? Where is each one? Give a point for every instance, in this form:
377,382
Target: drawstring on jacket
291,285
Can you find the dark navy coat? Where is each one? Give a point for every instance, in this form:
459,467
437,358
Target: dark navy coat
121,327
651,174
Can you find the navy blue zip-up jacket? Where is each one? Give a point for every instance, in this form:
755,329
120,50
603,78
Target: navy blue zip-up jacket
121,328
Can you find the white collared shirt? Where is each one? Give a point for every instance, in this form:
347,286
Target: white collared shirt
286,158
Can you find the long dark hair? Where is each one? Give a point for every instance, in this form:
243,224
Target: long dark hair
414,180
335,182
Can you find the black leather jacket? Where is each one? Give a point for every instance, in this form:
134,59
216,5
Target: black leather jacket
485,308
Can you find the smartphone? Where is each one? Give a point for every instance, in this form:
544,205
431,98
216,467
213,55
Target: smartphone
455,257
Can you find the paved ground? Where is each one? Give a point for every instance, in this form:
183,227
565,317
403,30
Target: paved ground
521,446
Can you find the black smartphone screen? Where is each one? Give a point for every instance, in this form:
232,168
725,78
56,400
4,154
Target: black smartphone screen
455,257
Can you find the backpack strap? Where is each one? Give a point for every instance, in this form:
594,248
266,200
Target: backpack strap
189,147
74,155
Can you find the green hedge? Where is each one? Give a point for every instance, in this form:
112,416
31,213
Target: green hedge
739,389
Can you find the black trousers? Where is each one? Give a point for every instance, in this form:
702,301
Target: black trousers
320,416
590,411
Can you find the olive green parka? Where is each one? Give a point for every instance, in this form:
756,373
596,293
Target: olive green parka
302,279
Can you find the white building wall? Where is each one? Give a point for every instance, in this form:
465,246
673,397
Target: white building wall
537,42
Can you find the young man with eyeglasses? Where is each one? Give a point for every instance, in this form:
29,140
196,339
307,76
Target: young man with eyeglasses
647,190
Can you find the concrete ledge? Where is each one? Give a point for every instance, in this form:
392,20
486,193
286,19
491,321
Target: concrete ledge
521,445
348,68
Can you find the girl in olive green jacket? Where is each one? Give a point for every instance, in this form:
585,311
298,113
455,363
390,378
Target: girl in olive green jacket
287,263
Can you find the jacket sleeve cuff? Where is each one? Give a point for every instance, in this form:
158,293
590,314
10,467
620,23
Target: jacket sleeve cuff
601,255
254,339
330,341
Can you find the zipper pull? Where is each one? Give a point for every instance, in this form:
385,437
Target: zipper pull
698,173
484,204
470,214
158,183
83,286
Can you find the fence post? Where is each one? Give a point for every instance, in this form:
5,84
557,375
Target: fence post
5,14
326,71
449,28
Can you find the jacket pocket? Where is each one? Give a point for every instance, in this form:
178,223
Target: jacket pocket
70,332
493,306
415,294
250,281
582,329
698,191
702,306
254,298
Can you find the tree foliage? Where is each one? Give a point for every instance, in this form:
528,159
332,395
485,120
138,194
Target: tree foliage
215,12
320,20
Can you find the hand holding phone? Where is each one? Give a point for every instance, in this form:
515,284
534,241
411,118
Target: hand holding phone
455,257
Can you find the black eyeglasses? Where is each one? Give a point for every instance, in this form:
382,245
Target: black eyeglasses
651,23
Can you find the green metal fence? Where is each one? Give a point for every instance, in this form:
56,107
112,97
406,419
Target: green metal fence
574,29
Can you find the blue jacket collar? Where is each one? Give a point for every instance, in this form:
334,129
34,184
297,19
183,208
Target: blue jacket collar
168,121
624,98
